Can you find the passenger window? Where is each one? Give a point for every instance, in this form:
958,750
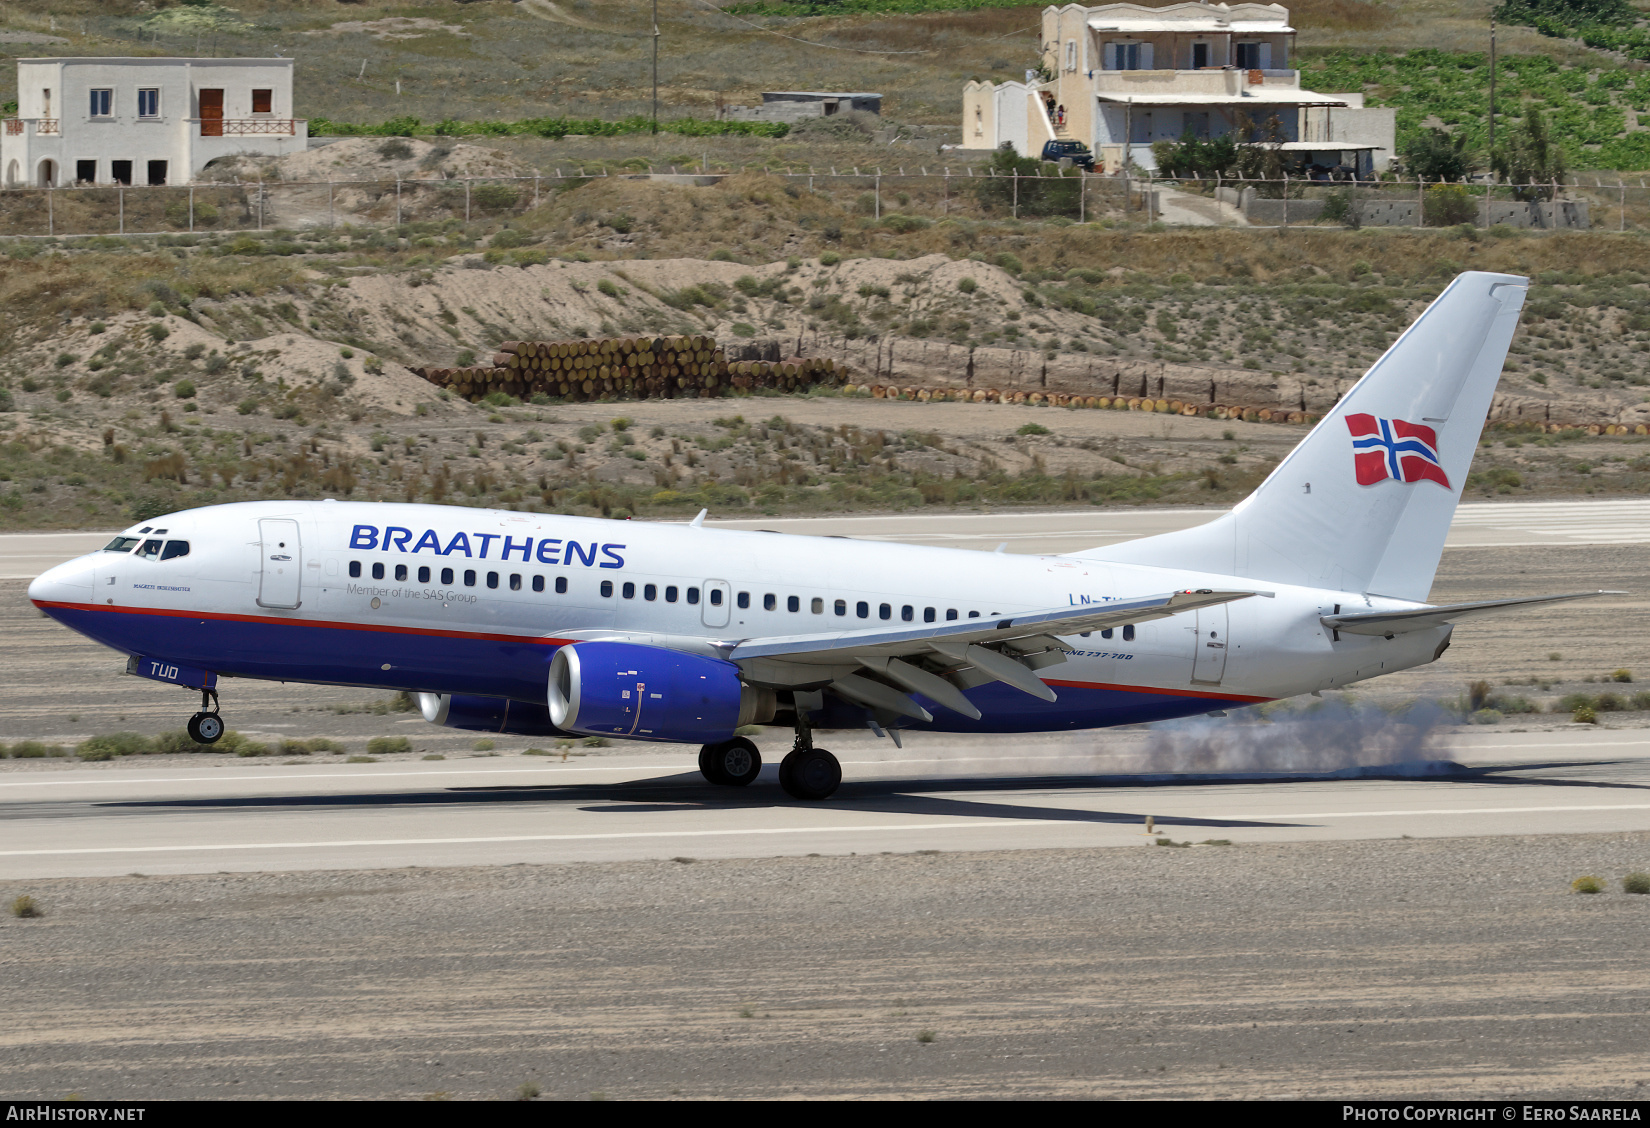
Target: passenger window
817,606
973,614
607,589
122,544
716,597
928,614
538,583
446,575
515,581
744,599
423,575
150,549
907,613
950,614
792,603
769,602
841,607
561,585
885,611
862,609
469,577
693,595
650,591
1128,633
174,549
670,594
355,569
378,571
1107,633
492,579
628,591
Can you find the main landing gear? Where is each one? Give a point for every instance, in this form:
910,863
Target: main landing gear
807,773
206,727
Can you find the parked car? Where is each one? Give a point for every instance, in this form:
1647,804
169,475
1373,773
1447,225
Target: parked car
1074,151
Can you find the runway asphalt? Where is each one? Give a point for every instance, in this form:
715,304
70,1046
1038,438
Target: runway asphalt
1477,524
102,820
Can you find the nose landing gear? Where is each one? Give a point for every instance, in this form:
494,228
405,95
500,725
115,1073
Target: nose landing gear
809,773
206,727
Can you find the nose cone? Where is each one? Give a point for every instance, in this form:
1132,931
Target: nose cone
70,582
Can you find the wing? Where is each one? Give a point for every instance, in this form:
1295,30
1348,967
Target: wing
940,660
1390,623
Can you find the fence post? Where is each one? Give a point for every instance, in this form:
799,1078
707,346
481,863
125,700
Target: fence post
1082,196
1420,202
1622,224
332,220
878,190
535,189
51,225
398,201
1286,197
1016,209
120,195
191,209
945,193
466,199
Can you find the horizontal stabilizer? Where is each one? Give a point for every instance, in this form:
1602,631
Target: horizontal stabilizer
1389,623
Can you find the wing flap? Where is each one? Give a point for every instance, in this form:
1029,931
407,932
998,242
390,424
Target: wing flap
1389,623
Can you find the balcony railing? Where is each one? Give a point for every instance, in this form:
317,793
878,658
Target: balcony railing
46,125
247,127
15,127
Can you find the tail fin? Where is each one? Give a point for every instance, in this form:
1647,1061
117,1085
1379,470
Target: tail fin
1365,501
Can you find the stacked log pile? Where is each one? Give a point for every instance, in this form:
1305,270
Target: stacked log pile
1247,413
627,368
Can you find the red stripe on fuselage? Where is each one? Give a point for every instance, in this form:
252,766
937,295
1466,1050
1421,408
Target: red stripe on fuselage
221,617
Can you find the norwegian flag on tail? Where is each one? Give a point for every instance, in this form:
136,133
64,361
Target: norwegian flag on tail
1391,448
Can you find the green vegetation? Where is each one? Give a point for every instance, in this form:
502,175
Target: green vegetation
385,746
1638,882
1588,884
25,907
1605,25
552,128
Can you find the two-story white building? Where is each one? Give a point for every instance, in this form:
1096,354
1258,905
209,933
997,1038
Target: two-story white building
144,121
1125,75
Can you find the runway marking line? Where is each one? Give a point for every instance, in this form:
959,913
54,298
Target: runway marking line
999,824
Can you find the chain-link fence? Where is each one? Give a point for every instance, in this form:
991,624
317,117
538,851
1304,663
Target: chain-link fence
897,199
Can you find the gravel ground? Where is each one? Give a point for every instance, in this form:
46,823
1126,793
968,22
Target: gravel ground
1460,968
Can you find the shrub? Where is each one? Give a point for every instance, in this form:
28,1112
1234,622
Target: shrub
607,287
1032,429
1622,676
361,760
35,750
216,363
387,745
483,745
1487,717
967,285
25,907
157,332
496,197
395,150
1587,884
115,744
1636,883
1584,716
247,406
743,329
184,389
829,258
509,238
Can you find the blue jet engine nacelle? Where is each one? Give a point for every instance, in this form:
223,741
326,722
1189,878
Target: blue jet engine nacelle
640,692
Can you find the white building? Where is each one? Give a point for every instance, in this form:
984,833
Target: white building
1125,75
144,121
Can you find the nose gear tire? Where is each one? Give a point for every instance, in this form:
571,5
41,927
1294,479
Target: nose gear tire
205,728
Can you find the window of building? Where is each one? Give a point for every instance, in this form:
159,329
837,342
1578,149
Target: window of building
469,577
1128,56
538,583
103,103
650,591
355,569
817,606
607,589
423,575
121,172
263,101
446,575
770,601
792,603
149,103
1200,56
515,582
561,585
628,591
85,172
670,594
156,173
1071,54
401,572
693,595
1252,56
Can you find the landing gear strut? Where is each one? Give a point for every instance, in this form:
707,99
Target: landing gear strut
206,727
731,763
808,773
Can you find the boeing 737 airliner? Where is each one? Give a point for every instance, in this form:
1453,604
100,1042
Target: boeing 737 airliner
533,623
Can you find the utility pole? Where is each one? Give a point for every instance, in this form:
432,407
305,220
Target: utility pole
1492,93
655,66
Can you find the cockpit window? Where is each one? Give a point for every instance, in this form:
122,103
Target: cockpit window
121,544
150,550
174,549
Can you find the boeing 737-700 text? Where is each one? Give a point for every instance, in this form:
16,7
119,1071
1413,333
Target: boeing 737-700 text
535,624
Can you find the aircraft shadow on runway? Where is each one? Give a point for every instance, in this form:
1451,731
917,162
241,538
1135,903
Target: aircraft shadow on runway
930,797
